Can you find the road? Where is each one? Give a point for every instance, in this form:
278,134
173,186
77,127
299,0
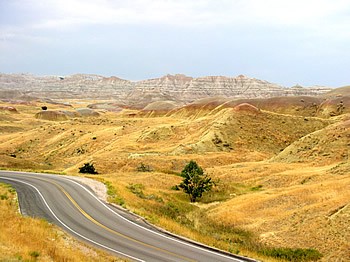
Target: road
75,208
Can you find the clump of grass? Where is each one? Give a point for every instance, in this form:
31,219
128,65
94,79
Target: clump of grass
177,212
143,168
137,189
112,194
257,188
34,255
4,197
290,254
222,192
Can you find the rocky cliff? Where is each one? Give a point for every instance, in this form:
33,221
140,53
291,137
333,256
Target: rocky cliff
74,86
178,88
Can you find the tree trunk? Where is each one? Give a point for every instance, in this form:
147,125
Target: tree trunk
192,199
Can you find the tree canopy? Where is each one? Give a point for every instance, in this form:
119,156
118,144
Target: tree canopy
88,168
195,182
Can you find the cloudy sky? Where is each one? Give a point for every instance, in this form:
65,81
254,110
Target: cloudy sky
282,41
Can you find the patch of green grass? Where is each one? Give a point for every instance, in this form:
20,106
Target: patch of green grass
257,188
137,189
112,194
223,192
177,211
34,255
4,197
290,254
9,188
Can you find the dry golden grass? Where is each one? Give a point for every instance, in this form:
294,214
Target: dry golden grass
299,207
29,239
298,199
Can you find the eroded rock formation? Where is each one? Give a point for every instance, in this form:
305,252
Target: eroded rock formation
178,88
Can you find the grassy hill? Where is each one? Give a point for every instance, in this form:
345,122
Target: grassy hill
281,165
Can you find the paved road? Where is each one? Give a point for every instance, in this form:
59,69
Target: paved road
78,211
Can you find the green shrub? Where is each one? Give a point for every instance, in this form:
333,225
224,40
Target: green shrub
34,254
88,168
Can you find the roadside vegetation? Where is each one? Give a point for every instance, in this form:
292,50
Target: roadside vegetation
88,168
169,207
30,239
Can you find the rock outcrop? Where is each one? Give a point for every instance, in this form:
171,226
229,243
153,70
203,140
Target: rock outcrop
10,109
51,115
178,88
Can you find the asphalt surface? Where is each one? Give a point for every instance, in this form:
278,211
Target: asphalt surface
76,209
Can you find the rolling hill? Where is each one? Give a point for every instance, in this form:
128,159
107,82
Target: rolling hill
281,163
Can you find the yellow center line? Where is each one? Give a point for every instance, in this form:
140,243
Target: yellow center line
109,229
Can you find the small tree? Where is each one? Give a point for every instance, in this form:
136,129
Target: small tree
195,182
88,168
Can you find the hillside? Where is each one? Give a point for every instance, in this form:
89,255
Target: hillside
281,163
326,146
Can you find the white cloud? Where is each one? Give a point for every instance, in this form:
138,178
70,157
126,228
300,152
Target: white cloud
77,12
321,19
297,13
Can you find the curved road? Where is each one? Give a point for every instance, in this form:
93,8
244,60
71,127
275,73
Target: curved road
76,209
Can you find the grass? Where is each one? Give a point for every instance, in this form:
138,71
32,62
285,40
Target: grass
290,254
112,195
29,239
204,220
259,203
175,213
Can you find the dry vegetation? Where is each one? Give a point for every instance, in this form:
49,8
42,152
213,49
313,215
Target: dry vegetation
29,239
282,179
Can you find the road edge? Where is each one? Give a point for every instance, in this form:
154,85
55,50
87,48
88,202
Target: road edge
182,238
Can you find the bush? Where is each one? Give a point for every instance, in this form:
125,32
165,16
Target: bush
143,168
88,168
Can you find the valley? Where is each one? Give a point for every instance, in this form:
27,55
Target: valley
281,163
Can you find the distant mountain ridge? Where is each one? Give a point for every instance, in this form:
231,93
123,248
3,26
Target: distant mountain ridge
178,88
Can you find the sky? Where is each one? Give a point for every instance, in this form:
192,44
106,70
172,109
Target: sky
287,42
